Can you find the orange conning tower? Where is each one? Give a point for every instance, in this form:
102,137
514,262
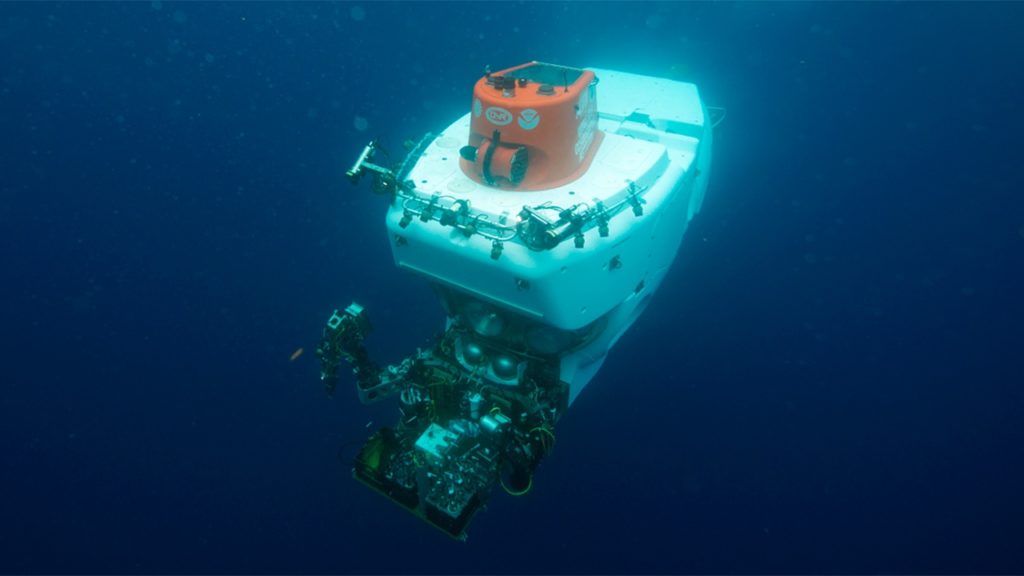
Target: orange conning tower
533,127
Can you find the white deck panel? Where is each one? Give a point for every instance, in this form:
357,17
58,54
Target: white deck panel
671,105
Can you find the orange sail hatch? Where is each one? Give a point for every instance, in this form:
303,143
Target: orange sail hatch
533,127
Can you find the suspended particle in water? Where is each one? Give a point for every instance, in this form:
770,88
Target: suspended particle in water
654,21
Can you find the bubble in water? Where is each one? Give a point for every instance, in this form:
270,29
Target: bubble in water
358,13
360,123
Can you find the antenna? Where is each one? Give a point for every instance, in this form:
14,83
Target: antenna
565,80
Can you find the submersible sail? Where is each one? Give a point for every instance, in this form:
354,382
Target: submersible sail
545,218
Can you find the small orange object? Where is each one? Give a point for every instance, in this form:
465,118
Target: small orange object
295,355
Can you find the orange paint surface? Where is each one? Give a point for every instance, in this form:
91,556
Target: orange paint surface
558,129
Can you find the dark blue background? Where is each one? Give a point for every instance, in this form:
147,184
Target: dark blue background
828,381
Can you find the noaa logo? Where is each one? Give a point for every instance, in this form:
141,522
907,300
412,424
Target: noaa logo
528,119
477,107
498,116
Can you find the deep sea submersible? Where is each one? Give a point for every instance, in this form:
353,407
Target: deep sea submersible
545,222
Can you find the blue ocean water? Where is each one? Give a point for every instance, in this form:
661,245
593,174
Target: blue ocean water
829,381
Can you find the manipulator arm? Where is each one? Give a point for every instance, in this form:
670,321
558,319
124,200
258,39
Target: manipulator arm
343,340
